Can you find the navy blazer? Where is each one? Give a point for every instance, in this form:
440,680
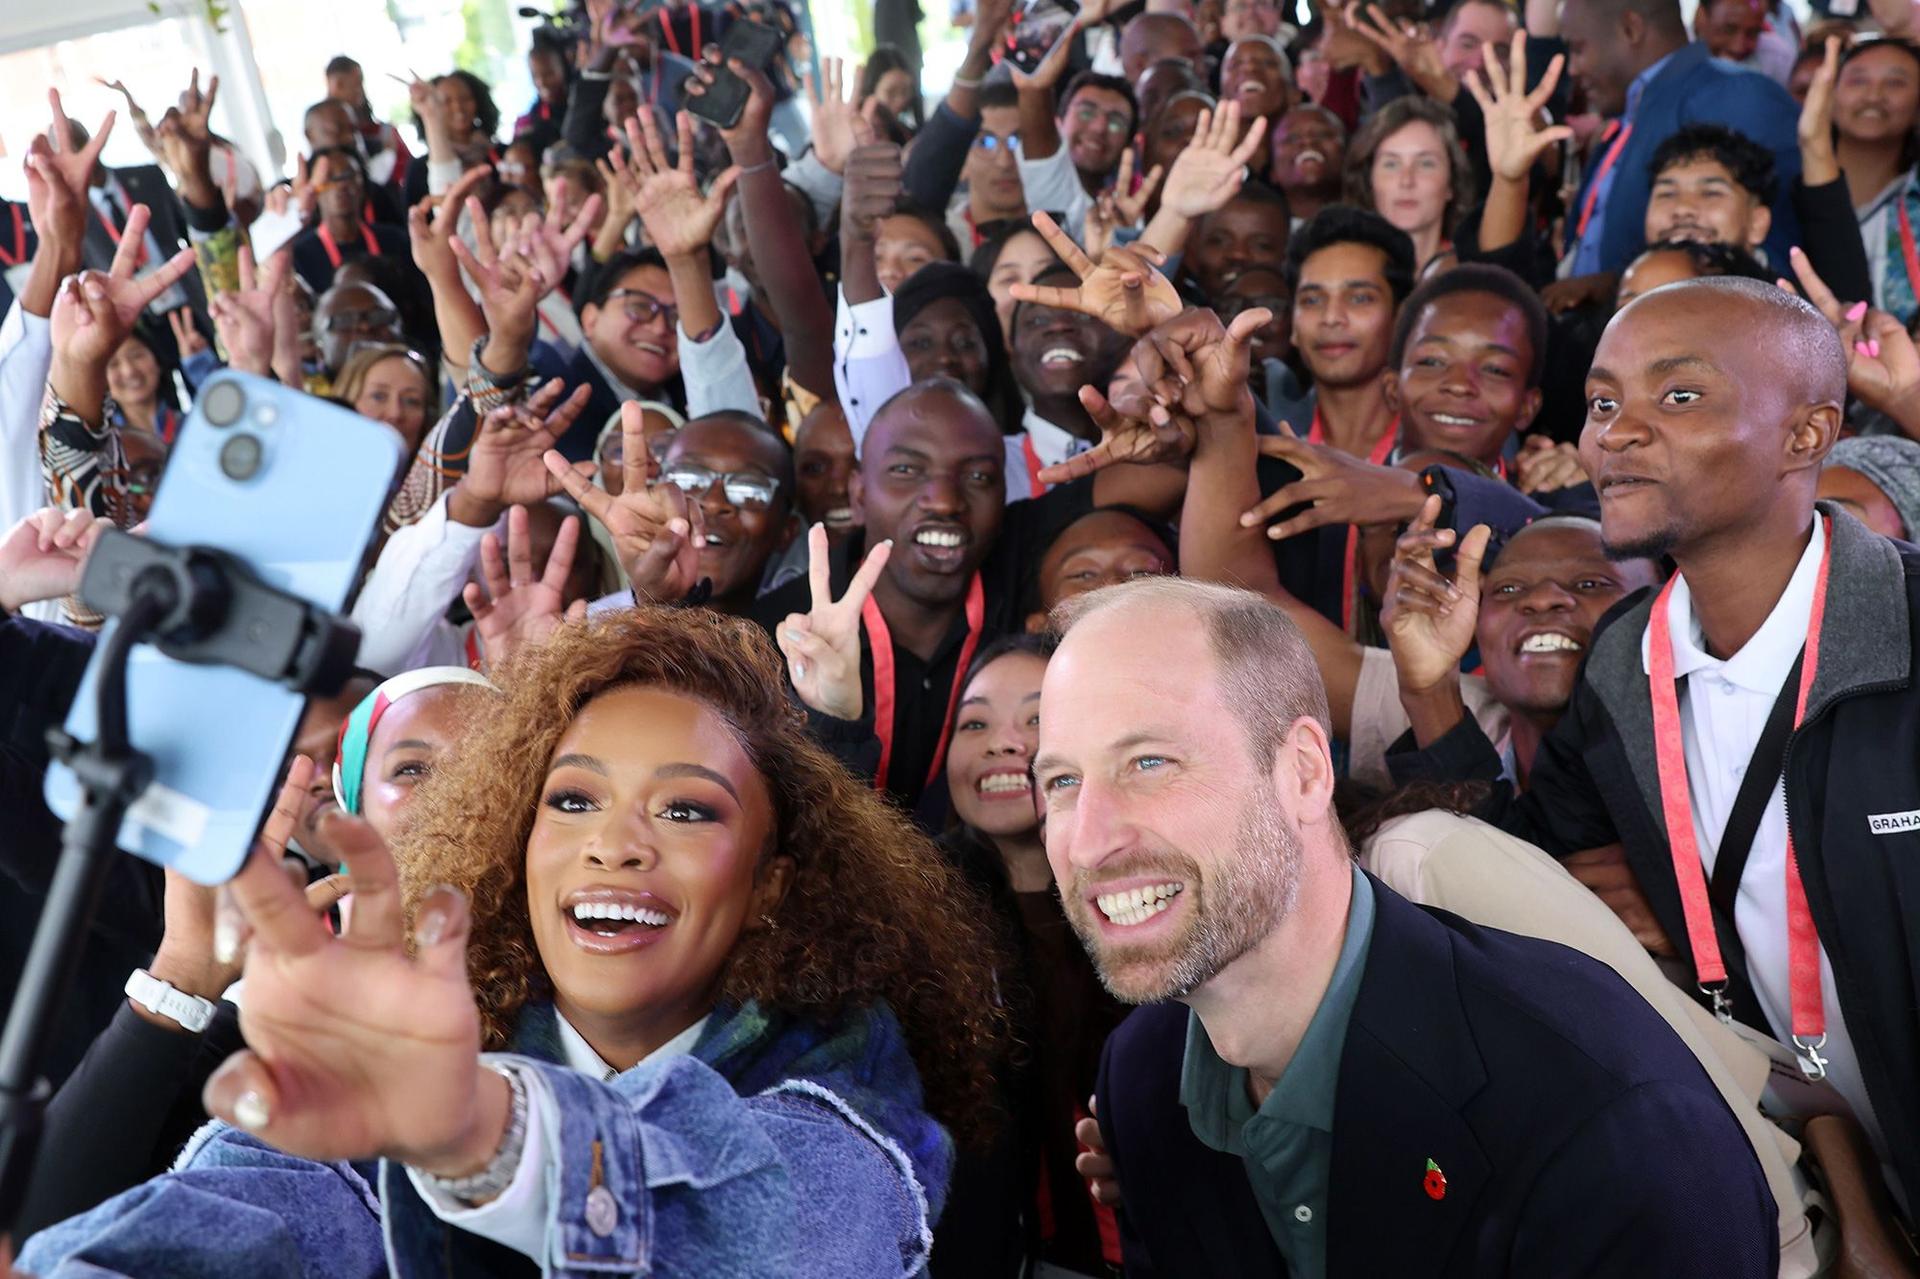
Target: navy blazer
1695,88
1576,1133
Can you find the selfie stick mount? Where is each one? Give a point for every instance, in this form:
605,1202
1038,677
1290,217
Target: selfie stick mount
195,604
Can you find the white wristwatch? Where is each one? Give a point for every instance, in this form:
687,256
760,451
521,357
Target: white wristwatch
157,997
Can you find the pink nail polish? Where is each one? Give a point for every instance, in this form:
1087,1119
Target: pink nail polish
1873,347
1860,348
1856,312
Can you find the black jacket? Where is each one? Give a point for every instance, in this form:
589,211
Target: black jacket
1575,1132
1857,755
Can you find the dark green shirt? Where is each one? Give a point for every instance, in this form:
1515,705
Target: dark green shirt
1287,1143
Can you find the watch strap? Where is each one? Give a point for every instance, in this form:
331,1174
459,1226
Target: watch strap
164,1000
492,1181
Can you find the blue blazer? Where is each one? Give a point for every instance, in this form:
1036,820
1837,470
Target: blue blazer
1576,1133
1695,88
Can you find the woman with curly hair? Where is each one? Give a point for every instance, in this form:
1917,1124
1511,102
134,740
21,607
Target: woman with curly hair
725,969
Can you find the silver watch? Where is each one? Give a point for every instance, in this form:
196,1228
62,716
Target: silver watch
492,1181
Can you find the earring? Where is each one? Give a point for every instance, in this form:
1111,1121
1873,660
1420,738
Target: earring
771,923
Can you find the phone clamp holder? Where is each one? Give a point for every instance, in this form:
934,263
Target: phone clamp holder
195,604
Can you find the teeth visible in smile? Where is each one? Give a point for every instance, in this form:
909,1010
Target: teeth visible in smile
583,911
1448,419
1317,157
937,537
1551,643
1253,86
1003,783
1138,905
838,515
1060,355
714,539
650,348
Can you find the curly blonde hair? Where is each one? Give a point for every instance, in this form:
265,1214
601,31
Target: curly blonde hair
879,914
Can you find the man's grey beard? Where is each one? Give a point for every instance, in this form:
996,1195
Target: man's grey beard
1249,894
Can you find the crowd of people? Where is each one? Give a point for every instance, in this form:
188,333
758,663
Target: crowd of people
1240,647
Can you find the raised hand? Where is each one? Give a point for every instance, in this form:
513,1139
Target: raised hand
822,647
1430,619
244,318
548,242
1338,488
357,1048
747,140
837,125
1410,46
1883,368
141,125
657,533
679,220
76,166
620,210
873,186
1514,136
509,287
43,556
434,224
516,610
185,336
1198,366
95,312
1125,290
1213,167
57,209
1128,204
1160,436
1818,163
1046,74
506,465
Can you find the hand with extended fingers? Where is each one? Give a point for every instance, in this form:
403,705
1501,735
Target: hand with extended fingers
822,646
1411,47
1047,72
1883,368
657,533
1429,618
95,312
1213,167
244,318
1337,487
506,465
76,166
547,241
508,285
57,210
185,336
1125,290
1197,367
679,220
434,224
185,132
43,556
838,126
1129,203
516,610
1818,162
357,1046
1547,466
1514,136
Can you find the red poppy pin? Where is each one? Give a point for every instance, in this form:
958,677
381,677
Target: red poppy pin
1435,1182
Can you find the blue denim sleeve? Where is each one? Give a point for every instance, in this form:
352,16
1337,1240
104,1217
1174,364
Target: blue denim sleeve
235,1209
667,1171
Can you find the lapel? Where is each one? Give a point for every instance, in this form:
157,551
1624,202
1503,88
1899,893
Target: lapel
1408,1069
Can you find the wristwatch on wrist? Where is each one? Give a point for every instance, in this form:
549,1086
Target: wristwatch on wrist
158,997
492,1181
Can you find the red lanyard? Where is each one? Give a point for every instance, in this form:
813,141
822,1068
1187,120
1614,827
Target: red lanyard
1900,209
1349,563
332,247
19,240
1676,804
113,233
1599,175
881,641
1034,487
666,29
473,651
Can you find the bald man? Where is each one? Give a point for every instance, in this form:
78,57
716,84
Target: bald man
1712,405
1153,36
1354,1086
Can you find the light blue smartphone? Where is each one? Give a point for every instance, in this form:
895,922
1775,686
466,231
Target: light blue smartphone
293,486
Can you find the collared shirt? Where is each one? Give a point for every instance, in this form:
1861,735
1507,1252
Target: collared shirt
1051,446
1586,254
1287,1143
518,1217
613,381
1724,707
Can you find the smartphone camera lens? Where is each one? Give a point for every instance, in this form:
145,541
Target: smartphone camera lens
224,402
240,457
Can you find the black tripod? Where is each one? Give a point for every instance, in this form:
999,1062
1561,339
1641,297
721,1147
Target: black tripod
197,605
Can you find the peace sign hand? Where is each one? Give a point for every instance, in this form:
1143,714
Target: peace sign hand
1430,620
75,166
822,647
1124,291
515,610
1514,138
509,286
656,531
94,313
1337,488
244,317
506,465
1883,368
433,224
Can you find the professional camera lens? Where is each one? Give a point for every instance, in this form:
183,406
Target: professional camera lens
224,402
240,457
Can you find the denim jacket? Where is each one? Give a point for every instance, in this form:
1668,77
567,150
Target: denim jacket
779,1147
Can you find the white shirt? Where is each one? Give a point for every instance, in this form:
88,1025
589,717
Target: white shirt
26,352
869,367
1051,446
518,1217
401,611
1053,184
1723,709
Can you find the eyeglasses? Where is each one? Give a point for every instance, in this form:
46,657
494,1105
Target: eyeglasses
1088,113
994,142
743,488
379,317
642,308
